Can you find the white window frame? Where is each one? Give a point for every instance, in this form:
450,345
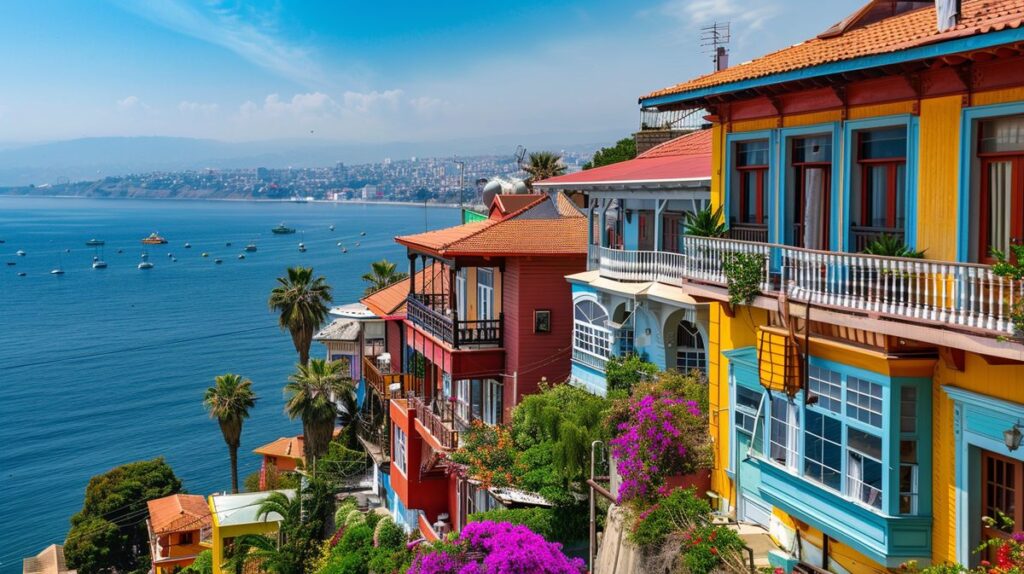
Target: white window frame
591,336
784,430
461,293
484,294
399,454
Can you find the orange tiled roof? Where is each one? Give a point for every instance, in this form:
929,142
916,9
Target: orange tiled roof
908,30
284,447
390,301
507,204
696,143
178,513
543,228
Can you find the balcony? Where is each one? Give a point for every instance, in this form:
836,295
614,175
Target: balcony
861,237
757,232
964,296
381,383
438,419
433,314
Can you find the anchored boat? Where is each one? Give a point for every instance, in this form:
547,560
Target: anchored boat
154,239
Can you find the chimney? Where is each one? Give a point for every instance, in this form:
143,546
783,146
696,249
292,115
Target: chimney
948,14
721,59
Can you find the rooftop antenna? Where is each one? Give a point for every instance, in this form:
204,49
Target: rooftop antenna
520,154
714,39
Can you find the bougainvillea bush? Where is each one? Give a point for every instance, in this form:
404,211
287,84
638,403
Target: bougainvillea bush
1006,557
496,548
662,431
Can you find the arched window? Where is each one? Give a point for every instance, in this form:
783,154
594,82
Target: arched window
592,340
690,353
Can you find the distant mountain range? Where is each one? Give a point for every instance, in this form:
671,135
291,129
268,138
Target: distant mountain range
96,158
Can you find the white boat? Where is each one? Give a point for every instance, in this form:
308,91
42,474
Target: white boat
100,264
145,265
218,261
57,271
331,228
241,255
188,246
20,253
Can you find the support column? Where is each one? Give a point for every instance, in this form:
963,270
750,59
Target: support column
659,208
603,218
412,274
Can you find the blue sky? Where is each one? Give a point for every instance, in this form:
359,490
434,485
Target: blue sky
362,71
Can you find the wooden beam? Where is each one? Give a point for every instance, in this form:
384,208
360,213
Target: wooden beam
953,357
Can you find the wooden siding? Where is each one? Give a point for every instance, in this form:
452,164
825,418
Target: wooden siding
532,284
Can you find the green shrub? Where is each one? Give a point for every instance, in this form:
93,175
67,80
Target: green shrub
622,373
346,507
744,273
355,518
371,519
679,510
389,535
203,564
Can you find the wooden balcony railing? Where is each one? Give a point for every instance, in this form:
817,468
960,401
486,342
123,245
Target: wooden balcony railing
438,417
381,382
376,437
963,295
749,232
431,313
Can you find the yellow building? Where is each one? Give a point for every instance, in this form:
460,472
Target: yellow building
236,515
866,409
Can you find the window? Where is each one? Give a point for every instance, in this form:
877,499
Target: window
494,396
908,480
591,336
185,538
784,438
808,204
823,450
864,401
626,341
690,353
752,165
1001,201
827,386
484,294
864,467
748,405
879,202
398,452
461,293
1002,493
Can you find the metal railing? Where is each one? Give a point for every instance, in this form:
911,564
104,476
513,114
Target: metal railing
430,313
377,435
757,232
589,360
655,119
861,237
965,295
438,417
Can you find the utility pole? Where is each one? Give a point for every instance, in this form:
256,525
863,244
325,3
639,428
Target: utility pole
462,179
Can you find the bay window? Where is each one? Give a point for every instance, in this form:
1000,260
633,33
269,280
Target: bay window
592,339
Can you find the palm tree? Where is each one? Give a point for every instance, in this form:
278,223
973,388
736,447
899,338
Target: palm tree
229,401
302,302
705,223
542,165
280,556
382,274
310,392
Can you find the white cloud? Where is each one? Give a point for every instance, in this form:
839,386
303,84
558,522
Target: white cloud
187,107
216,22
132,103
747,16
370,102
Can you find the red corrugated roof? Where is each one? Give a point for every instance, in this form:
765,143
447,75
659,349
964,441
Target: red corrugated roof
685,158
909,30
542,228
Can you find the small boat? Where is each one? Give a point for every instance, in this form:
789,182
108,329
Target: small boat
241,255
174,259
120,250
20,253
11,263
251,247
21,273
154,239
228,244
169,255
67,251
357,244
99,264
94,242
339,244
205,254
145,264
57,271
344,250
331,228
2,241
188,246
362,233
282,230
302,247
95,258
218,261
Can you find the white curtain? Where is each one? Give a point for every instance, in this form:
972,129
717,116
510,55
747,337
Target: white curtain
793,431
814,208
855,472
946,11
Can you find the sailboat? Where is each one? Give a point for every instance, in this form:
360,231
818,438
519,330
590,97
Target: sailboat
145,263
302,245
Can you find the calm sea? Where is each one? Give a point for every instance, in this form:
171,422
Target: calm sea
104,367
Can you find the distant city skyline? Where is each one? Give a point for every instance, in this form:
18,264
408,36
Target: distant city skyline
361,71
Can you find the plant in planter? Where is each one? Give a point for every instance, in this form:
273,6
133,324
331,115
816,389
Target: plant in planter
661,434
744,273
1012,268
892,246
705,223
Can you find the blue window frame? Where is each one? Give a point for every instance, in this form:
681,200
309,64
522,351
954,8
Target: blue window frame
749,184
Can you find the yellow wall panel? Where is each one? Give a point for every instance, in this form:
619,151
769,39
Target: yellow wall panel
754,125
938,175
878,110
717,163
812,119
997,97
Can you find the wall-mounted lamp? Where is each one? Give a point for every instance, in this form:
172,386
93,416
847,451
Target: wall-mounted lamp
1012,437
647,332
629,216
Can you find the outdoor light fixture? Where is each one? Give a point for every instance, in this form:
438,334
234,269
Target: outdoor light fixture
1012,437
629,216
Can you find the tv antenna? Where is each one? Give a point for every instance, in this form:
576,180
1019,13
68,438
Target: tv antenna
520,154
714,39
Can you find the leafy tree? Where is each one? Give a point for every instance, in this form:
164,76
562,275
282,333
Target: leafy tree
623,150
273,479
302,302
229,401
382,274
203,564
109,533
622,373
309,394
543,165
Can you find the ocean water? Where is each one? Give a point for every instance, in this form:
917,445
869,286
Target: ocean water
103,367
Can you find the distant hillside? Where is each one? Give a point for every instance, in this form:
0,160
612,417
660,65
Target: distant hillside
95,158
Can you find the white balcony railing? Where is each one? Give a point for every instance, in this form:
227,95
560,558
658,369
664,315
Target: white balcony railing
963,295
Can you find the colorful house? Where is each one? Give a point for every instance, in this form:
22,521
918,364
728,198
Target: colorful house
284,454
175,525
866,409
638,210
488,317
235,515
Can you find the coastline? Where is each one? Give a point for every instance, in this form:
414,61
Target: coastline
249,200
